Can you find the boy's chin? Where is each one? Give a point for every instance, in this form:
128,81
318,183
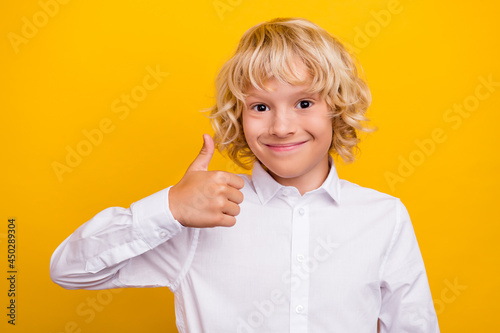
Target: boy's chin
298,174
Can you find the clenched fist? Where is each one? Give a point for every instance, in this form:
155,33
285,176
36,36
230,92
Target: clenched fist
205,198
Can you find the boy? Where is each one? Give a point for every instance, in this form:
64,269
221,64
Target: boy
291,248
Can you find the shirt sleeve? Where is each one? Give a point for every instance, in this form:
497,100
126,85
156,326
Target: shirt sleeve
407,304
102,251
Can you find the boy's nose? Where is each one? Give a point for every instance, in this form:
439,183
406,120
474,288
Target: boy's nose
282,123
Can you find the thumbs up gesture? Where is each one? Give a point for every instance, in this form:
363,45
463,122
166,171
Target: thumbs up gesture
205,198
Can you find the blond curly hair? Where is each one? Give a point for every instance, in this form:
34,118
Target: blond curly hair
268,50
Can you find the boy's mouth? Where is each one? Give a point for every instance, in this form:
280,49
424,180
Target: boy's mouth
285,146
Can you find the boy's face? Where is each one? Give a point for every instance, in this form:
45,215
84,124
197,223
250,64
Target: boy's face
289,131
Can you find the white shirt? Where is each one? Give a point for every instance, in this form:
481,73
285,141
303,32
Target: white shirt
336,259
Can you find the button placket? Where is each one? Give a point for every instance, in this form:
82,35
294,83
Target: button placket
299,292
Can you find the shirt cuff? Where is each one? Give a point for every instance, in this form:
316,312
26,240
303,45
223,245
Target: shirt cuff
153,218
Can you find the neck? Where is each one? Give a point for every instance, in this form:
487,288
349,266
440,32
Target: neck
308,181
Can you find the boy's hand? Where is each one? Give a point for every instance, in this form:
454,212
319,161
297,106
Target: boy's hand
206,198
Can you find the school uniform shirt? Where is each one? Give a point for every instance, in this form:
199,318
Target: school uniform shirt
337,259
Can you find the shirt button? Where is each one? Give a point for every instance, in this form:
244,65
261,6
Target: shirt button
163,234
301,211
299,309
300,258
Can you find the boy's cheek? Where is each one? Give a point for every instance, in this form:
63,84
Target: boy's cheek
250,132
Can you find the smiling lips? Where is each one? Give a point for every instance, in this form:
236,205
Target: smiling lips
285,147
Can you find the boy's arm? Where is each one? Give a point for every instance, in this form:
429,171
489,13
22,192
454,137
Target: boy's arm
407,304
91,257
148,244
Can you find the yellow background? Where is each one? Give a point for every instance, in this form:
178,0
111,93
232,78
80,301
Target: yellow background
419,61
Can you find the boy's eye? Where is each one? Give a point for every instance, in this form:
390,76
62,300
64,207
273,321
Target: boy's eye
304,104
301,105
260,107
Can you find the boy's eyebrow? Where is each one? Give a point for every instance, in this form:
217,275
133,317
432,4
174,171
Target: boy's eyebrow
301,92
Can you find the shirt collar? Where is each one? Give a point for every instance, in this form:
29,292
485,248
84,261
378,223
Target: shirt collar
266,187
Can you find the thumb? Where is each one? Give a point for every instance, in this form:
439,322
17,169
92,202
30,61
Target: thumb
203,159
